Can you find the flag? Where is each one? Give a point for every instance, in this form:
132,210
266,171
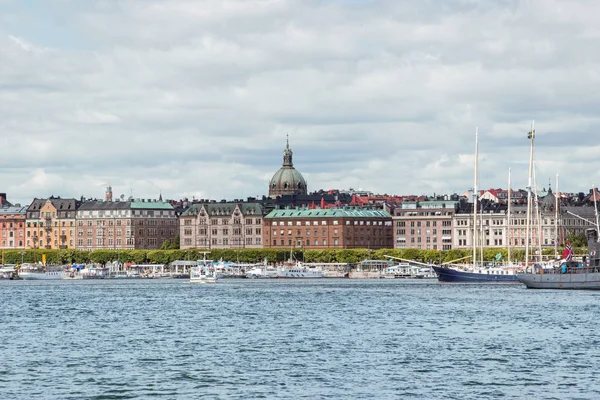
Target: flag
531,134
568,252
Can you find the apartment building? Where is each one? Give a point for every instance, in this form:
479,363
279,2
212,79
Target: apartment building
221,225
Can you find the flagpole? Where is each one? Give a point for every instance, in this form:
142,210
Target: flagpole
528,222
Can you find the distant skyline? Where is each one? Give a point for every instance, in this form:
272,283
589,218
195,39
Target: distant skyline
194,98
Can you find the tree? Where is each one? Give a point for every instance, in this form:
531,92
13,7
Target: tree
578,240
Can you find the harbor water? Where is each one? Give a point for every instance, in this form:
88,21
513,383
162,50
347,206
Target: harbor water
278,339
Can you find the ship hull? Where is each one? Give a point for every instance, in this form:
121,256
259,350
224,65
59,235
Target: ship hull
40,276
579,281
452,275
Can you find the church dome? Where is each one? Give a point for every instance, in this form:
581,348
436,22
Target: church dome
287,180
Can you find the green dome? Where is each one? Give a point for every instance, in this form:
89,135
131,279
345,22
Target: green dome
287,180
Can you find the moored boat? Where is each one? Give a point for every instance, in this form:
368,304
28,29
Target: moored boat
204,272
296,270
570,275
476,275
40,272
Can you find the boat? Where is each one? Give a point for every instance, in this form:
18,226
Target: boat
8,271
35,272
296,270
204,272
476,275
85,271
477,271
263,271
570,274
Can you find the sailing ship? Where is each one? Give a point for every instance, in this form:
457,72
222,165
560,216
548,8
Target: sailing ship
477,271
571,274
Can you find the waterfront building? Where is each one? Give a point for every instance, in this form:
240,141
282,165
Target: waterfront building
12,224
338,227
495,231
287,180
131,224
424,224
491,225
222,225
50,223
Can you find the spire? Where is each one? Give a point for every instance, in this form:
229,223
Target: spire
287,153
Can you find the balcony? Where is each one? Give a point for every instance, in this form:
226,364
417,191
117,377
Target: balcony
62,246
63,237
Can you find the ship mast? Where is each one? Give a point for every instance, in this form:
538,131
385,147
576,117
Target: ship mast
508,233
475,196
531,136
556,237
596,212
538,215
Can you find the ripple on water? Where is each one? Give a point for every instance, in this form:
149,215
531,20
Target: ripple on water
315,340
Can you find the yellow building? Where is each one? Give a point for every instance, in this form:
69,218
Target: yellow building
50,223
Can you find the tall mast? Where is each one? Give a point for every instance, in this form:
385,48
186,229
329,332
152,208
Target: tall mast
556,219
508,233
596,212
531,136
475,197
538,215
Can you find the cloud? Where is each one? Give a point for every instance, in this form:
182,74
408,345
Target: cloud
195,98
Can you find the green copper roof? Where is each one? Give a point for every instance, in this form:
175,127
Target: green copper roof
151,205
345,212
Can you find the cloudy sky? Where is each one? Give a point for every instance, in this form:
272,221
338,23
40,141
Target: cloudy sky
194,98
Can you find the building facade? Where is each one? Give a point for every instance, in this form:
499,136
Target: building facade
50,223
222,225
316,228
424,224
117,225
12,226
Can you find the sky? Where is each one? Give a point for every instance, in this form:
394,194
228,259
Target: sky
194,98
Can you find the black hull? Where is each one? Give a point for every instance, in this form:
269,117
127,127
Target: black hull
446,274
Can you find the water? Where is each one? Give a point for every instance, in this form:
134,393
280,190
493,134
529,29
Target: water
320,339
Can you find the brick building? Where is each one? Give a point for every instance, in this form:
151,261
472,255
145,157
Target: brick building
316,228
139,224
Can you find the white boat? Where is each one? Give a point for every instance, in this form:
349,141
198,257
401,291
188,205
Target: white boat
263,271
41,275
295,270
204,272
40,272
77,272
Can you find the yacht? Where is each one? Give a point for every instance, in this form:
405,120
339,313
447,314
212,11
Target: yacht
295,270
38,272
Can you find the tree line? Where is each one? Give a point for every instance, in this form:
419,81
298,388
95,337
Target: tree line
104,256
